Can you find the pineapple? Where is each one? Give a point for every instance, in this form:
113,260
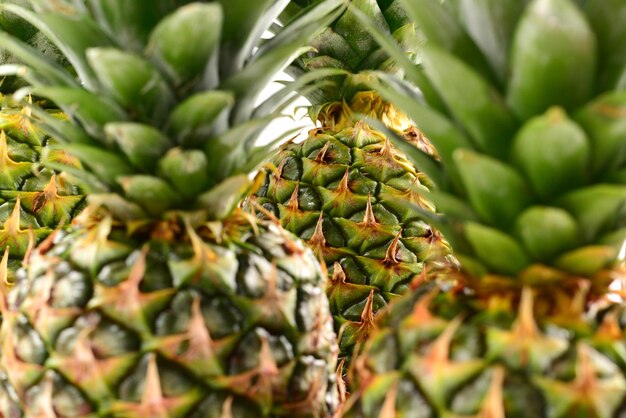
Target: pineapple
525,104
164,299
32,196
33,199
346,189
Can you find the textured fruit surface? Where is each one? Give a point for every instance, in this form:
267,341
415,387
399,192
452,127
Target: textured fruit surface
443,354
524,102
34,199
346,188
346,194
163,300
99,326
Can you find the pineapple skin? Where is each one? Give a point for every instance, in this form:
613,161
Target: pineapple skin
102,324
163,300
446,354
347,191
525,103
34,200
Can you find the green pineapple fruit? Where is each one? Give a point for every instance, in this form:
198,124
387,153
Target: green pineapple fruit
33,199
164,299
531,182
31,194
346,189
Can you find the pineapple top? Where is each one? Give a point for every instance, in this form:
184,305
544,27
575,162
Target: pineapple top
525,103
347,45
164,108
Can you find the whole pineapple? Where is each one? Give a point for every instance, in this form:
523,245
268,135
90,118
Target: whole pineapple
34,199
346,189
532,184
164,300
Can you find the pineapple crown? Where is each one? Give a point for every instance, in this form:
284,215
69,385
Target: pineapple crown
525,103
164,114
348,46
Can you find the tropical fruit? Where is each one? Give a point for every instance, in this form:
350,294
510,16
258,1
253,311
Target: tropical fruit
449,354
31,194
524,102
34,199
346,189
164,299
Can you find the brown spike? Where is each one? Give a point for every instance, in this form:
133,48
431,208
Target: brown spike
525,326
579,301
493,405
293,203
392,250
318,241
45,406
49,193
266,371
12,224
369,219
202,252
439,352
586,379
31,244
4,282
389,406
321,156
265,212
367,316
610,328
343,186
227,408
152,400
341,383
339,275
199,338
421,312
386,149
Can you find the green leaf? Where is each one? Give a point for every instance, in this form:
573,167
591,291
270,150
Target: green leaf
553,152
51,72
604,120
553,59
133,82
153,194
412,72
588,261
496,191
452,206
491,24
597,208
221,200
72,35
187,170
496,250
106,165
60,129
474,102
358,37
193,120
547,232
130,22
250,81
441,29
91,110
184,42
608,19
143,145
